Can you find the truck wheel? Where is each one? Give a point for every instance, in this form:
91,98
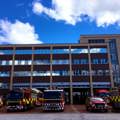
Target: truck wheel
88,109
8,110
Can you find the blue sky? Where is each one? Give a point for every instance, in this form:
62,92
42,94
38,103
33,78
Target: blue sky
56,21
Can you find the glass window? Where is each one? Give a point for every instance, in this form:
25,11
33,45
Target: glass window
60,62
60,73
107,72
95,61
96,41
41,62
42,51
41,73
6,62
6,52
100,72
23,62
22,73
79,50
93,72
76,72
80,61
23,52
84,61
10,62
5,74
103,61
0,62
60,51
98,50
84,73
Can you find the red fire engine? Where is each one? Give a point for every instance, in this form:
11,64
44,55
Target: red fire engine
22,99
53,100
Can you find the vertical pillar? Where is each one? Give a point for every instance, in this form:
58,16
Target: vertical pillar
32,64
12,69
90,72
51,58
110,67
71,87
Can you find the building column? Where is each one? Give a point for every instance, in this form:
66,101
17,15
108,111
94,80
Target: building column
71,87
90,72
12,69
51,59
32,64
110,67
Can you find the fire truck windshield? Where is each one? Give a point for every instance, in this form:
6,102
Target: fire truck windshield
52,95
14,95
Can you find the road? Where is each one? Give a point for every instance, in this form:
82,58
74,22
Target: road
61,116
72,112
68,109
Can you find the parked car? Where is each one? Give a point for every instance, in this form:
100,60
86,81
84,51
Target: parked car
96,104
1,102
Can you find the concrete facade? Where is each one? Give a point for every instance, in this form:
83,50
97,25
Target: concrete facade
79,69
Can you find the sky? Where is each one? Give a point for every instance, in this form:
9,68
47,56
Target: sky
56,21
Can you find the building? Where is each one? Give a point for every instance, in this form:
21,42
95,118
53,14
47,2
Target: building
114,49
79,69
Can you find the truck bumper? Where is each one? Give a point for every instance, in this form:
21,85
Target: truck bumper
15,108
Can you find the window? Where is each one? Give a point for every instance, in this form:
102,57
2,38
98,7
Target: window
60,51
79,50
84,73
23,51
23,62
41,73
84,61
60,62
22,73
42,62
60,73
80,61
93,72
76,61
6,52
4,74
6,62
96,41
103,61
98,50
95,61
42,51
77,72
100,72
107,72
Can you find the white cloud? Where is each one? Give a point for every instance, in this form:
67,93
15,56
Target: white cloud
103,12
17,33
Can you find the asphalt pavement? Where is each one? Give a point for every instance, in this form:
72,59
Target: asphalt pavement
61,116
71,112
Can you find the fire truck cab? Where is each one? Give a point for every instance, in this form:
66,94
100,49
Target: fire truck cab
53,100
21,99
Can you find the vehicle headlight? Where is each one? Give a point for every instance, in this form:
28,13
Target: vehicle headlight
93,105
106,105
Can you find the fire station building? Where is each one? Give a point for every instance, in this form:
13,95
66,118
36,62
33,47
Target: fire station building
79,69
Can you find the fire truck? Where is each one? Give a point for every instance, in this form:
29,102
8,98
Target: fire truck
39,99
112,97
21,99
115,99
53,100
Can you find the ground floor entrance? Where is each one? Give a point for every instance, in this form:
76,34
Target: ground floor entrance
79,95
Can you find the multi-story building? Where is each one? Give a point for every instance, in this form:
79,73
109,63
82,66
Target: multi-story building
79,69
114,50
